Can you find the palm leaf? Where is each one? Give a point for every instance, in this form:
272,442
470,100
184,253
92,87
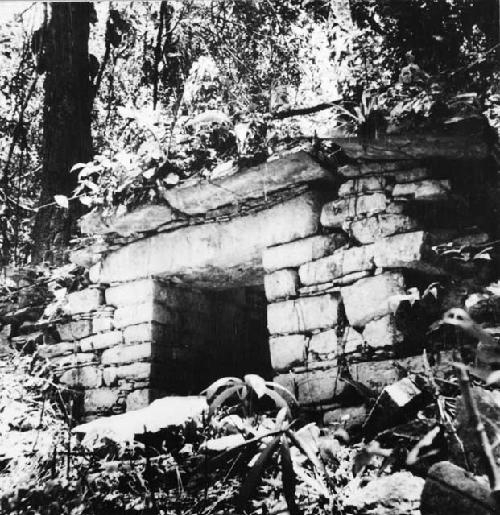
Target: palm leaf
286,394
257,384
223,381
255,474
288,476
223,397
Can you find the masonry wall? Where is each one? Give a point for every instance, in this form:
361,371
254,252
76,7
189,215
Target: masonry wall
334,313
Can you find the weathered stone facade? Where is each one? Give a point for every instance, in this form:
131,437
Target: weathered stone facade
179,299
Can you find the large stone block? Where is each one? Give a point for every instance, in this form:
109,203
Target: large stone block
57,349
300,315
369,298
287,351
324,344
367,230
103,323
99,400
147,332
75,330
88,377
382,332
145,290
402,250
126,354
296,253
141,313
336,212
101,341
84,301
363,185
281,284
139,399
313,387
427,190
134,371
75,360
341,262
229,252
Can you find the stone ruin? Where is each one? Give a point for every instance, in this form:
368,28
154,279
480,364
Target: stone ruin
292,269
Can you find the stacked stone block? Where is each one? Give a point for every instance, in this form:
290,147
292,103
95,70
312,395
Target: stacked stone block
332,295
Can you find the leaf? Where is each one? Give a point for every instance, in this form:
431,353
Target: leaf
223,381
62,200
256,383
286,394
77,166
289,477
254,476
223,397
278,399
307,451
86,200
493,378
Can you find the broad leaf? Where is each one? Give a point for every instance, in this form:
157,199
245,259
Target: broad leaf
77,166
255,474
223,381
62,200
307,451
223,397
256,383
289,477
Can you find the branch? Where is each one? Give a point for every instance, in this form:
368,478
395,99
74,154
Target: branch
288,113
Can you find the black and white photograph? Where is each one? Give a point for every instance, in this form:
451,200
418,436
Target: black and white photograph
250,257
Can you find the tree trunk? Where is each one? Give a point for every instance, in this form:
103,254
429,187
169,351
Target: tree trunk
66,125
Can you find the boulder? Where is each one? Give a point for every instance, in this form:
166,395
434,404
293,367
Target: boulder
388,495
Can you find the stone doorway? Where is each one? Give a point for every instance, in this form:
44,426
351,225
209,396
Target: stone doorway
211,333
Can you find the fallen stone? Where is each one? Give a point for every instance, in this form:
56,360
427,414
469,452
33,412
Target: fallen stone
84,301
362,185
88,377
126,354
142,313
229,252
451,489
382,333
223,443
388,495
287,351
342,262
301,315
368,230
281,284
75,330
101,341
100,400
368,298
347,417
296,253
335,213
